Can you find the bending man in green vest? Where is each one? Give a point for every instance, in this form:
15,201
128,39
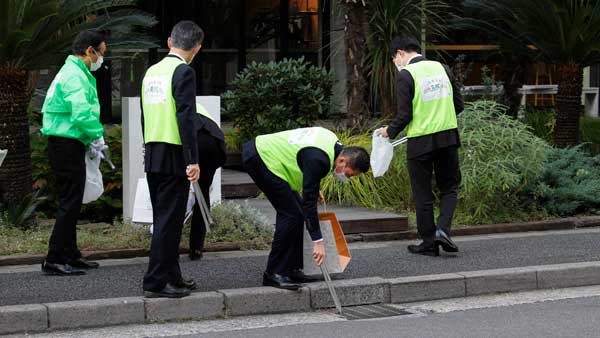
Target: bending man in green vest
171,156
428,101
282,165
72,122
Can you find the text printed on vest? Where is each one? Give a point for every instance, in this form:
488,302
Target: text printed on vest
155,89
303,136
434,88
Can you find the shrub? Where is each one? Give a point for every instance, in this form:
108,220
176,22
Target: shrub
590,133
569,183
541,122
275,96
242,223
498,157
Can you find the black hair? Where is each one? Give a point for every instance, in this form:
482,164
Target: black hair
404,43
85,39
357,158
186,35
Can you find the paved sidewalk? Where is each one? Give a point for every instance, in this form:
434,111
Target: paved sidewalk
27,285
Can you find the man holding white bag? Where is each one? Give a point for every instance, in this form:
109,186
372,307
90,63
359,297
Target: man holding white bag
72,122
428,102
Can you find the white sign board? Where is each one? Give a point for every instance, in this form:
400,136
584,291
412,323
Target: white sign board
136,198
3,155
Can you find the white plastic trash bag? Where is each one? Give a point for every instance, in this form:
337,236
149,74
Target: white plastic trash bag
382,152
94,187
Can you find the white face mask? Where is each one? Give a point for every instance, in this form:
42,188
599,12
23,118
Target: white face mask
96,65
341,176
398,63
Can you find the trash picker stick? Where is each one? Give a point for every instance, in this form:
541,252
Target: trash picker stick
334,295
208,221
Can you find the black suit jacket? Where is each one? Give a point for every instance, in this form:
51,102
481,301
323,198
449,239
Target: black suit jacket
171,159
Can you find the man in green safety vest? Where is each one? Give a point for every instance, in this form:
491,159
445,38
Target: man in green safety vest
72,123
171,156
282,165
428,102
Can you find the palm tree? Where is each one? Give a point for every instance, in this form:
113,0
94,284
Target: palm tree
355,38
388,19
37,34
561,32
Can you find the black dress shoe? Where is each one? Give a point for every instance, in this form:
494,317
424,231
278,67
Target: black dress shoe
442,239
81,263
187,283
169,291
60,269
195,255
298,276
423,249
279,281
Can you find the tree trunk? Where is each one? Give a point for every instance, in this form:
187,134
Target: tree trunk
568,105
15,172
513,77
387,92
355,30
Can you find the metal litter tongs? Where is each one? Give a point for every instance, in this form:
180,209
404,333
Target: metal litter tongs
336,300
399,141
208,221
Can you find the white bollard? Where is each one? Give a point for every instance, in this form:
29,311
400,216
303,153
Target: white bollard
136,199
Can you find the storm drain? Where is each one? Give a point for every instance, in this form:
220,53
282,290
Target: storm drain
372,311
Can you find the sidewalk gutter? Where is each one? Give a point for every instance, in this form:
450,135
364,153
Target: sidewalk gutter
314,296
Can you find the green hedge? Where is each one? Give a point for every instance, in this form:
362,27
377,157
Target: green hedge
275,96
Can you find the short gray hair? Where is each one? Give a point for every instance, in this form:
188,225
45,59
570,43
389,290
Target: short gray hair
186,35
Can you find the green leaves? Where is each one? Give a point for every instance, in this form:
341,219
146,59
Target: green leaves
275,96
36,34
569,183
391,18
562,31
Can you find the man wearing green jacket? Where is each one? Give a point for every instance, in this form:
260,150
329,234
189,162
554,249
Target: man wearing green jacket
72,123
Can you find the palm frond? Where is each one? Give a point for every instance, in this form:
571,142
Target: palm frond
39,33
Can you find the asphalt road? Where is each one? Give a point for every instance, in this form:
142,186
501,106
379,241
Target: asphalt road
572,318
388,259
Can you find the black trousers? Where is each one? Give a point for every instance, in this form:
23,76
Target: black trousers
67,160
210,158
168,194
445,164
286,248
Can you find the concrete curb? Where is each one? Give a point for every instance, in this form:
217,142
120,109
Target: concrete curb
262,300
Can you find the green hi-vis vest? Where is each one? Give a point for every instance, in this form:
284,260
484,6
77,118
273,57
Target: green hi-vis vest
279,151
433,105
158,104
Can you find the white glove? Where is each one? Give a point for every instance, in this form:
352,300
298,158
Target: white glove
94,153
99,144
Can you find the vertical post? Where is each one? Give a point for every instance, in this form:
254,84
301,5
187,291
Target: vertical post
325,27
423,30
284,34
242,36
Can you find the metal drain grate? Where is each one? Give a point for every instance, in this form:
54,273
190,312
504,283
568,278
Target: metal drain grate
372,311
